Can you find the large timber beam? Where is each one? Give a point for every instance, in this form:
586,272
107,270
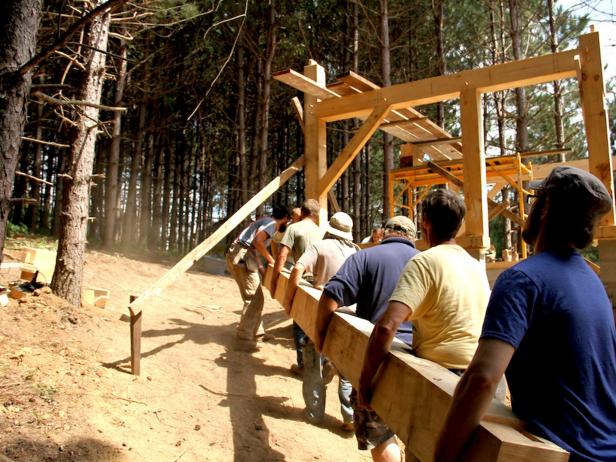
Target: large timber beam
413,395
592,96
531,71
315,140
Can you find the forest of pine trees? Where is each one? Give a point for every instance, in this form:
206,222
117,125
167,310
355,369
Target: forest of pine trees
163,116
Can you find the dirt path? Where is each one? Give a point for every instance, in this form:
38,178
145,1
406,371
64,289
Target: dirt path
203,395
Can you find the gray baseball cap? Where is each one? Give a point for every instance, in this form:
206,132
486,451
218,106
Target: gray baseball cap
402,224
566,183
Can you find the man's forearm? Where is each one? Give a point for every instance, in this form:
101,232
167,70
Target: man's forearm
327,306
378,347
471,399
280,259
260,247
294,279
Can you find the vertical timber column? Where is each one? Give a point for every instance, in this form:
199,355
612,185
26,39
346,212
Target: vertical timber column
592,94
315,142
476,239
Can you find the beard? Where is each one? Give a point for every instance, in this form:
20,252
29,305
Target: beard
531,229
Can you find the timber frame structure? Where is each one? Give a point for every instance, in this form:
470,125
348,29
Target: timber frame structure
418,414
392,109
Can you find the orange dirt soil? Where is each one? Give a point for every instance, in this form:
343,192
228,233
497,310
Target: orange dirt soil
66,394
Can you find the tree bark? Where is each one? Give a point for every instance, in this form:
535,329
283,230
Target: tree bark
388,147
111,179
558,97
241,120
129,227
521,120
437,11
68,275
265,95
19,22
35,186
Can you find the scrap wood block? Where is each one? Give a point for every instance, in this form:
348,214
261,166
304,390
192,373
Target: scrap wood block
413,395
95,296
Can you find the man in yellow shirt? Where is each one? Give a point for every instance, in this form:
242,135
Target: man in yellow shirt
443,291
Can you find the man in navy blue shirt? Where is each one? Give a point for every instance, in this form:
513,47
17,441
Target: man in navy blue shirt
549,327
368,279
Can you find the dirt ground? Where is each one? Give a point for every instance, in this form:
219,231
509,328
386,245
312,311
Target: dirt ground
66,394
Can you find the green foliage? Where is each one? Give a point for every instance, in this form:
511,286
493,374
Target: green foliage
13,230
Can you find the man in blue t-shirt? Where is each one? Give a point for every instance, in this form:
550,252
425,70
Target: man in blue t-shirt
368,279
549,327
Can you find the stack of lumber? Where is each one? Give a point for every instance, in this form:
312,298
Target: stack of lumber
413,395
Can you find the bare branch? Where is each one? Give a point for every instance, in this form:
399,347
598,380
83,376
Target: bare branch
48,143
68,102
33,178
102,9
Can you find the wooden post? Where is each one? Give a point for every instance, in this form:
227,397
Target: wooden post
315,142
135,339
475,195
592,95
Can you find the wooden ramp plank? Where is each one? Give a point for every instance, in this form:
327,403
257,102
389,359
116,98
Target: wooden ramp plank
412,395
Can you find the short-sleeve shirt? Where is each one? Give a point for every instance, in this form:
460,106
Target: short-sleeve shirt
324,258
267,224
447,291
554,311
299,236
368,279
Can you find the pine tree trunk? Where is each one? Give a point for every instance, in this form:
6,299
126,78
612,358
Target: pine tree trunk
129,227
111,179
437,11
241,120
145,200
35,186
267,84
68,275
558,97
388,147
521,121
19,22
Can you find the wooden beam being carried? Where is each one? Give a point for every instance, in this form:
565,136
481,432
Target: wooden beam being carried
350,151
413,395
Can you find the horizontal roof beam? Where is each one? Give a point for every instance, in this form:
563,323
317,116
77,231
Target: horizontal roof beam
514,74
302,83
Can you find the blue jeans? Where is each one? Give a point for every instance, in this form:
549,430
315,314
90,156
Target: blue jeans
314,390
300,339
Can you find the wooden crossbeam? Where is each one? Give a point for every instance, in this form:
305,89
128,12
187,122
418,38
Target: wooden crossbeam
413,395
436,142
351,150
531,71
302,83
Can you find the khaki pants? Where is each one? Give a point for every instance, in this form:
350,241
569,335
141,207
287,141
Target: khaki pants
249,282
